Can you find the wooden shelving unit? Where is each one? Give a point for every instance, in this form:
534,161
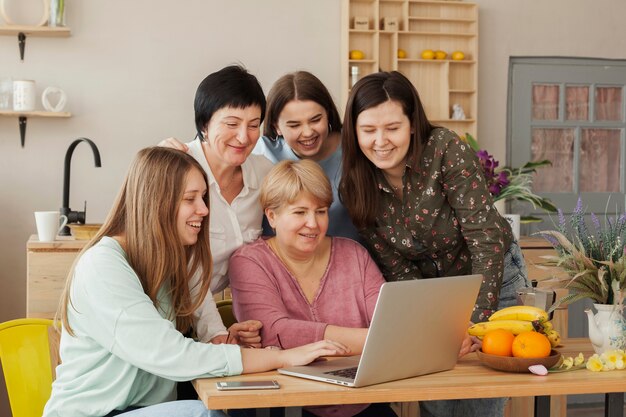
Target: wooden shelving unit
22,32
422,24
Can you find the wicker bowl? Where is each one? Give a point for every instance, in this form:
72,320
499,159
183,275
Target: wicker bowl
512,364
84,231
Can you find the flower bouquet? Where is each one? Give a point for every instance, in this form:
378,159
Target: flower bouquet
595,260
507,183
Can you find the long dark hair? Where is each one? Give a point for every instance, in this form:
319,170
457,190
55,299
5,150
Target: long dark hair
357,189
299,85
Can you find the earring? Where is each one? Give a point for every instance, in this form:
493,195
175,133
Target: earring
330,127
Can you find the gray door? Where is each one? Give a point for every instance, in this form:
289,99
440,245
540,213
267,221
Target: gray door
571,111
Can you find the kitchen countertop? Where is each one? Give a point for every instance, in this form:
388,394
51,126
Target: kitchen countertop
63,243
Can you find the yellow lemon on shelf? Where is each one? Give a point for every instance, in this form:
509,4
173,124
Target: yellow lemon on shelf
401,53
428,54
356,54
458,56
441,54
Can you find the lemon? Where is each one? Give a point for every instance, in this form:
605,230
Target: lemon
428,54
401,53
441,54
356,54
458,55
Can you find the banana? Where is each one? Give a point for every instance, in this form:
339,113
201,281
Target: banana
554,337
514,326
547,326
527,313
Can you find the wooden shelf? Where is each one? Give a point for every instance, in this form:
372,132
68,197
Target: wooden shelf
422,24
34,113
451,34
440,3
436,61
442,19
24,115
39,31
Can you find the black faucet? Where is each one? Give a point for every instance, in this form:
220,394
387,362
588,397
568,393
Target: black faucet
74,216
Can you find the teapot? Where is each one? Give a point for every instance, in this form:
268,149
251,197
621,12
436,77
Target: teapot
607,328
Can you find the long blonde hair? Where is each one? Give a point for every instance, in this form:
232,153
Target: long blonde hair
144,213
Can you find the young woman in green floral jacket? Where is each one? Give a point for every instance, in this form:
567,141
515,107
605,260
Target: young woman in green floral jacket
418,196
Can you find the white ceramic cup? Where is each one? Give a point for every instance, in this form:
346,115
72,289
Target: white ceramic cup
48,224
24,95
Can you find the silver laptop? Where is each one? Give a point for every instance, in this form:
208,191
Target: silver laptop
417,328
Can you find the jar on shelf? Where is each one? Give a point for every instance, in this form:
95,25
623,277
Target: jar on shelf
57,13
354,75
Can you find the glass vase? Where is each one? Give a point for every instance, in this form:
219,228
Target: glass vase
57,13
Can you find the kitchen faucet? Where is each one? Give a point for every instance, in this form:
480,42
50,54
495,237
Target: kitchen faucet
75,216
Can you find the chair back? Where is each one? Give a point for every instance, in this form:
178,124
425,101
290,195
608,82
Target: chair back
27,365
225,308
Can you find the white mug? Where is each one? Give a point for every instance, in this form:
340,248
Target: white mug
24,95
48,224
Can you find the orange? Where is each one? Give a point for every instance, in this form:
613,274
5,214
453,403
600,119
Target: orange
498,342
531,345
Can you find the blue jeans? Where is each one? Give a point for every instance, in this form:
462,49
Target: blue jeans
186,408
515,278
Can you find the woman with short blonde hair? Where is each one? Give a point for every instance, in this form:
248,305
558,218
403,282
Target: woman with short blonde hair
301,284
288,179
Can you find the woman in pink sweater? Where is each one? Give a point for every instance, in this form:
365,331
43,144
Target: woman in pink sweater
302,285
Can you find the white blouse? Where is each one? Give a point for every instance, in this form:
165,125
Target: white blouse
231,226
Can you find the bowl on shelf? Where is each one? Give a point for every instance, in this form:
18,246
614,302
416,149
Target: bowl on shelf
513,364
84,231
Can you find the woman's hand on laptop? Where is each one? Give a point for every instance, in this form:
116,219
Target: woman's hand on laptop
306,354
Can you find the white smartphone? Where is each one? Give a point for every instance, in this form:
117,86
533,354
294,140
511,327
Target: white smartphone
239,385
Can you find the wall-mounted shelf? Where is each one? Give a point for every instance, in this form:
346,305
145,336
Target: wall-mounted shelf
421,25
24,115
23,31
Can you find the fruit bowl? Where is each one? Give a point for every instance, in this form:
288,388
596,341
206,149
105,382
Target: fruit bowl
513,364
84,231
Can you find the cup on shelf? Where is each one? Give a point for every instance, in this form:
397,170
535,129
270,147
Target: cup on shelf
6,92
49,224
24,95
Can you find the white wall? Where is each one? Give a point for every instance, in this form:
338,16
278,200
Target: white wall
130,70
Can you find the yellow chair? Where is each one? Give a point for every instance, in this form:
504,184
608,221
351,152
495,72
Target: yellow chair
225,308
27,365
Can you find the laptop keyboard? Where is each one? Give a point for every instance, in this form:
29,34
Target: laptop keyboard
345,372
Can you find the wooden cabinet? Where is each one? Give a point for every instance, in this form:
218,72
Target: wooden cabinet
48,265
420,25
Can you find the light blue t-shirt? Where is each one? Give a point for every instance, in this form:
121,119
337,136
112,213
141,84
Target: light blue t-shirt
340,223
125,352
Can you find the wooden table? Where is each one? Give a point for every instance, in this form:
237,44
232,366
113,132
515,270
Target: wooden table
469,379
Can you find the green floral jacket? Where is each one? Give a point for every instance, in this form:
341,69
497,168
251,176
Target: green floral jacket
446,224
